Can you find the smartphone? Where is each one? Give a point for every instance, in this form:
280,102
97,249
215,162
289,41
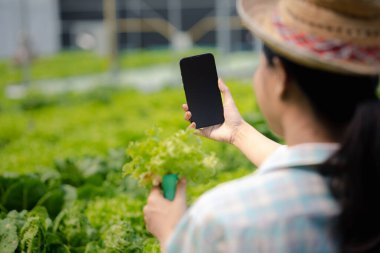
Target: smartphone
200,82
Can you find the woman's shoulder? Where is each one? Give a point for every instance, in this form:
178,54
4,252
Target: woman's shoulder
261,212
283,193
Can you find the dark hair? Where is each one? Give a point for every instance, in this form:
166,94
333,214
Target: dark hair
348,105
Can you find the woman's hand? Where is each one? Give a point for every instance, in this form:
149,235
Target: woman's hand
224,132
161,215
255,146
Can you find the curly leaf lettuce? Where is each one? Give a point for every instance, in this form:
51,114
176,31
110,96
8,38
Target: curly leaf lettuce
181,154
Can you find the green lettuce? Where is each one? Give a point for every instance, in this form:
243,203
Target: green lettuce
181,154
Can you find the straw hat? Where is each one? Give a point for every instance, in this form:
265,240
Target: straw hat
336,35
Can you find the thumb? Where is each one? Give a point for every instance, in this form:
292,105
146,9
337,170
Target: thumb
225,92
181,190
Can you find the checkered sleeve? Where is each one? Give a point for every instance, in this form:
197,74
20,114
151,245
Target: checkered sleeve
197,233
286,207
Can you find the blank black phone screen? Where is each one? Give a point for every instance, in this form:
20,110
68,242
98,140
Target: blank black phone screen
200,81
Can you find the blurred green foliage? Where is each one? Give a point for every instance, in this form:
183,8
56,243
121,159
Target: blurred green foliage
105,217
37,130
64,64
77,63
62,156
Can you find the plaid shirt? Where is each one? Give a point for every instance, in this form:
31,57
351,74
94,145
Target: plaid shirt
286,206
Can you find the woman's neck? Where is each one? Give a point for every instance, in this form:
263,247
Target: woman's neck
301,127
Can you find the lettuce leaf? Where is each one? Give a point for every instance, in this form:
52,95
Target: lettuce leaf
181,154
8,236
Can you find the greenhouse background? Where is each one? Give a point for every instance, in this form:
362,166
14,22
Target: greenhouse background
80,82
64,24
111,29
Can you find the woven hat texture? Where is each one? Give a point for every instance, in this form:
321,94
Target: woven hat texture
335,35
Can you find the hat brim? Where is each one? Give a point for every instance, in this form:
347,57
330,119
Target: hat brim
257,17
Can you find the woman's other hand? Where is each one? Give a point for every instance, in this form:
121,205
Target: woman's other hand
223,132
161,215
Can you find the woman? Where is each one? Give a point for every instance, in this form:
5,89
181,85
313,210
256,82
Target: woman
316,86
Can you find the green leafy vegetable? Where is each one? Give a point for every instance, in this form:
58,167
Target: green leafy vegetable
152,245
8,236
23,193
73,227
17,218
121,237
32,235
54,244
180,154
53,201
